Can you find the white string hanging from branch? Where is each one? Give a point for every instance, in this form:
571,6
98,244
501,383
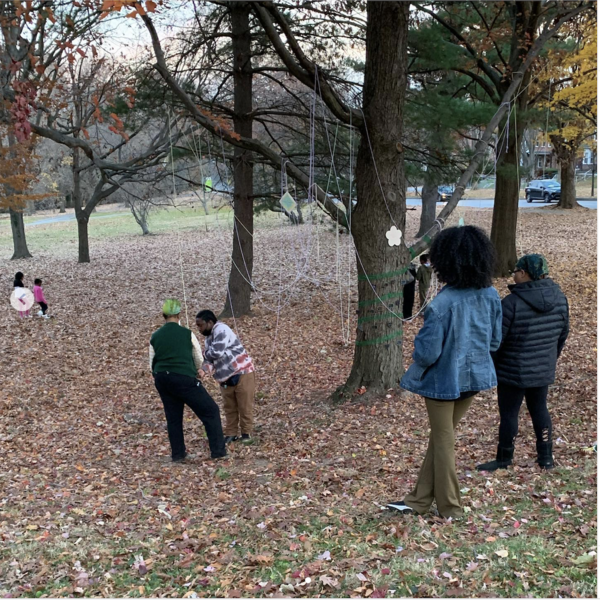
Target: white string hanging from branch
187,320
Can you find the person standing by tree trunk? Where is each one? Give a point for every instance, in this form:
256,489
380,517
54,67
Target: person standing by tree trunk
452,361
535,327
230,365
408,291
175,362
424,278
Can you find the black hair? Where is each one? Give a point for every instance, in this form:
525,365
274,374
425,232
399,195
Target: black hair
19,276
424,258
463,257
207,315
37,281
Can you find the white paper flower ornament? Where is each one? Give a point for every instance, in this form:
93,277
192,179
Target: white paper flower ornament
394,236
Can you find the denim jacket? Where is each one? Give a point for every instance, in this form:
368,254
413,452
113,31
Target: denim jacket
452,349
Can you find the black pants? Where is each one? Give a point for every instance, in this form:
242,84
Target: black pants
175,392
408,300
509,402
44,307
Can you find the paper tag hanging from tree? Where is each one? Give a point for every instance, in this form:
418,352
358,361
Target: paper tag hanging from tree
394,236
287,202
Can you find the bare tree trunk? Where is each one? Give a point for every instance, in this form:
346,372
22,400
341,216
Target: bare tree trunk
568,194
203,201
429,196
525,16
506,195
506,210
83,236
80,213
62,205
17,224
20,249
239,287
140,216
377,361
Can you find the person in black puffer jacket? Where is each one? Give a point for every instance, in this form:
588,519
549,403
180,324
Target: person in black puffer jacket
535,326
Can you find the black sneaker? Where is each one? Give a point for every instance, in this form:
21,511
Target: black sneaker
400,506
231,438
219,456
246,439
180,458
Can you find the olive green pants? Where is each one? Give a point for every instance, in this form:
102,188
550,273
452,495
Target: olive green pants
437,477
238,405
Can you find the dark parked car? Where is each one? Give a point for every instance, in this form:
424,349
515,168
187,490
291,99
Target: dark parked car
547,190
445,193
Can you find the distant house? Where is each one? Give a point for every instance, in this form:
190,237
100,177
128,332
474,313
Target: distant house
544,158
587,162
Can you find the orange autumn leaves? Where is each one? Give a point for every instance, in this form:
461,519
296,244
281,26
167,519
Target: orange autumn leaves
139,8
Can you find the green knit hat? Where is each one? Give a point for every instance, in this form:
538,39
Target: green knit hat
171,307
534,265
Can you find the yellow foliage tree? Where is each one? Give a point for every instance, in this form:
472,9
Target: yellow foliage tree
574,109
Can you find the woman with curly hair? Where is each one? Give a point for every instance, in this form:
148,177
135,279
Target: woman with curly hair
452,361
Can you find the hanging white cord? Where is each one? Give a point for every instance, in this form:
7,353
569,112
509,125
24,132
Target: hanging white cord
350,207
376,170
518,151
389,212
187,320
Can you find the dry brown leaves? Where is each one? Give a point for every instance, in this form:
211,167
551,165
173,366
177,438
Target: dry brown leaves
86,467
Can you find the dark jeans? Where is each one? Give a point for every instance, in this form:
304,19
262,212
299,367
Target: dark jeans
175,392
408,300
509,402
44,307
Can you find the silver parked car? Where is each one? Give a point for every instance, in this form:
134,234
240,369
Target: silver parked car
547,190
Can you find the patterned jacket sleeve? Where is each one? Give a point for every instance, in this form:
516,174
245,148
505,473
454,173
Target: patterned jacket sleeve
218,346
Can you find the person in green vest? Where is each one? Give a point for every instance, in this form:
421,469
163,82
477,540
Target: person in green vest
175,359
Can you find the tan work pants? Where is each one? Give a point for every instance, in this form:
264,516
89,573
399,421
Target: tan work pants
238,405
437,478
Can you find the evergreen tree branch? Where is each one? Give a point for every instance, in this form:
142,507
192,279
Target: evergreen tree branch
468,48
548,32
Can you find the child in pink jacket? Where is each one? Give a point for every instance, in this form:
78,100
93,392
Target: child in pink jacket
38,295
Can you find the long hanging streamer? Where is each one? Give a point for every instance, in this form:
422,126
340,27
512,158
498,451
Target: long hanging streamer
187,321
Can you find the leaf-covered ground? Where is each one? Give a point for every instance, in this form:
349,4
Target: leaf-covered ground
90,504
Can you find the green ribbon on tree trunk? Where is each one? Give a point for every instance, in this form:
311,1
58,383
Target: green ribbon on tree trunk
386,275
380,340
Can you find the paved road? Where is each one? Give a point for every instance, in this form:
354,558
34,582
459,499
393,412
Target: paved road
473,203
71,217
489,203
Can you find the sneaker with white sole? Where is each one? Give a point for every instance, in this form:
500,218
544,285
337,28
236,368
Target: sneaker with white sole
400,506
